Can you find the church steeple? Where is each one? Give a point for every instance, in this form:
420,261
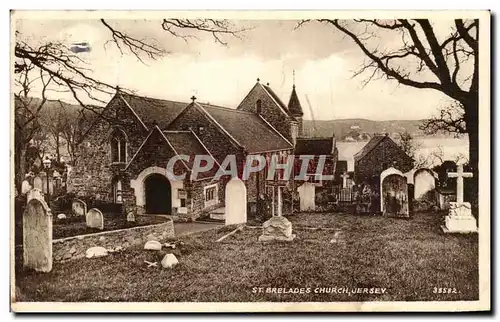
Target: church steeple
294,104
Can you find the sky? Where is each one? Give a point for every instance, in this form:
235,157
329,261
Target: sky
272,50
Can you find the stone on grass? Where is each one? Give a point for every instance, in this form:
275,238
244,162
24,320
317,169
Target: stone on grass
277,228
169,245
61,216
96,251
169,261
152,245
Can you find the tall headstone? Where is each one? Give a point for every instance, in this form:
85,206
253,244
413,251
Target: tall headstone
34,193
25,187
425,183
37,236
236,202
307,196
79,207
95,219
459,218
44,183
394,193
38,183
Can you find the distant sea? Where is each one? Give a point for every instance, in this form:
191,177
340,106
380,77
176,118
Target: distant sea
448,148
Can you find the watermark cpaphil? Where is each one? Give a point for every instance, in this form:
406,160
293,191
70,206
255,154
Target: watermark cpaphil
290,168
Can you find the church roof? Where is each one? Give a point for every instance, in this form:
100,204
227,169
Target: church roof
185,142
314,146
152,110
370,146
275,97
294,106
248,129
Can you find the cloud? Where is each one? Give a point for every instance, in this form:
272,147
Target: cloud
323,62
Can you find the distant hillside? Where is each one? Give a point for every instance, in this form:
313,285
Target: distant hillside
360,129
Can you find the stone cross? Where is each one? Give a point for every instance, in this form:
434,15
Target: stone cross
460,175
280,204
344,176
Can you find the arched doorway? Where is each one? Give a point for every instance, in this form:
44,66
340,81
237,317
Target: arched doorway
158,193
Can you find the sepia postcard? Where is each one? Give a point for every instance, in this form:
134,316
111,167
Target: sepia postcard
250,161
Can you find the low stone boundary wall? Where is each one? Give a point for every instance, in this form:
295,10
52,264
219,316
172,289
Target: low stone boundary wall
74,247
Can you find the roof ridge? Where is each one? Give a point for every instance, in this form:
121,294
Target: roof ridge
316,138
227,109
154,98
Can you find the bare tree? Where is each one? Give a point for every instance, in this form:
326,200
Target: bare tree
53,66
421,60
408,144
74,125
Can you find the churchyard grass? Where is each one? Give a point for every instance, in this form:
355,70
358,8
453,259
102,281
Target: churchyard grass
410,258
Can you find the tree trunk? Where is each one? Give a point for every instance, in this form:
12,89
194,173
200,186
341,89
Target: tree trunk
472,126
58,153
472,121
20,166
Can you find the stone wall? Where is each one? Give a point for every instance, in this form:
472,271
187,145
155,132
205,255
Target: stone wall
75,247
93,172
269,111
385,155
196,197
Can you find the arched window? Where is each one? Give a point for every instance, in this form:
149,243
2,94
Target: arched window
118,146
258,106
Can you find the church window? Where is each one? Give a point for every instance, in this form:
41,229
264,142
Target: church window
118,146
211,197
258,106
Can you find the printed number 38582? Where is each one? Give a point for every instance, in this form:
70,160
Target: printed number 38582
444,290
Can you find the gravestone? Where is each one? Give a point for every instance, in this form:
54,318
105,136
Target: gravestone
34,193
277,228
394,193
44,183
425,185
79,207
307,196
95,219
37,236
25,187
459,218
131,216
38,183
236,202
344,176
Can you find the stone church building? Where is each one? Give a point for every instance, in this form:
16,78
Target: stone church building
124,156
379,154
